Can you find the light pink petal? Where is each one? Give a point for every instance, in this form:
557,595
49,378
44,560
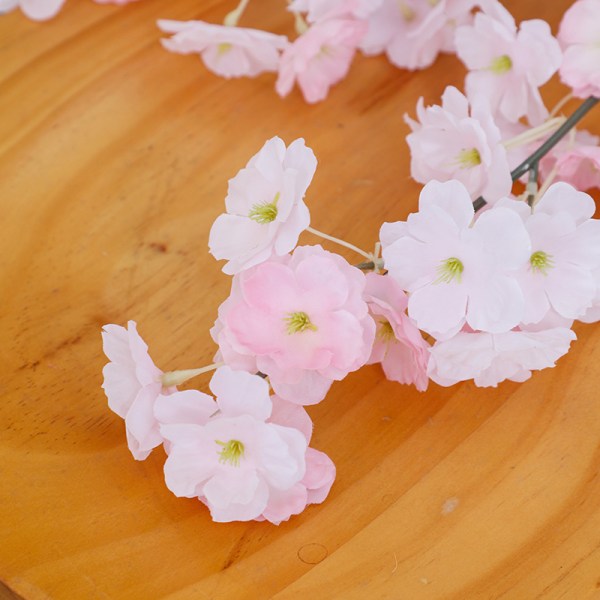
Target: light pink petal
188,466
438,307
319,477
142,427
496,306
189,406
281,456
311,388
283,504
288,414
40,10
241,393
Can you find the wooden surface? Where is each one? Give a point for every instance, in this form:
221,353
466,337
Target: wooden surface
114,160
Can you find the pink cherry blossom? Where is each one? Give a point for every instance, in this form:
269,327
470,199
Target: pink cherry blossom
508,66
132,384
38,10
233,459
300,319
492,358
455,272
565,250
579,35
227,51
399,346
413,33
321,9
265,206
320,57
462,142
320,470
574,160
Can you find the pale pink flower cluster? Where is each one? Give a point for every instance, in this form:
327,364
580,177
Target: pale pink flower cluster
410,32
492,288
245,455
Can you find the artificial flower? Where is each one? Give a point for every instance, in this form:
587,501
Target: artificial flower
462,142
227,51
413,33
574,160
456,272
234,459
318,477
579,34
320,57
265,206
399,346
492,358
565,250
300,319
508,66
132,383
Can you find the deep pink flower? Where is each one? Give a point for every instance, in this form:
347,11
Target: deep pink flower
320,57
300,319
233,459
579,35
508,66
227,51
492,358
456,272
132,384
265,206
462,142
399,346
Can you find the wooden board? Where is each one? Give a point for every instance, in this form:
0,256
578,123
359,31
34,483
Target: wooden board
114,161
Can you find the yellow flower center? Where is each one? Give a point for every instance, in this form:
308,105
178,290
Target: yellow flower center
231,452
540,261
468,159
386,331
298,322
224,48
265,212
501,64
450,269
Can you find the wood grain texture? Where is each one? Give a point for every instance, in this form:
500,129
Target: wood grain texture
114,161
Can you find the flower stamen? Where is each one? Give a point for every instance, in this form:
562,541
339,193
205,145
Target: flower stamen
298,322
231,453
386,332
540,261
467,159
265,212
450,269
224,48
501,64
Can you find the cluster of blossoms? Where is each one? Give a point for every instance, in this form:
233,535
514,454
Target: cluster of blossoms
478,284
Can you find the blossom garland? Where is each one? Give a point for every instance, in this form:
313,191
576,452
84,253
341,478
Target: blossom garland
476,284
